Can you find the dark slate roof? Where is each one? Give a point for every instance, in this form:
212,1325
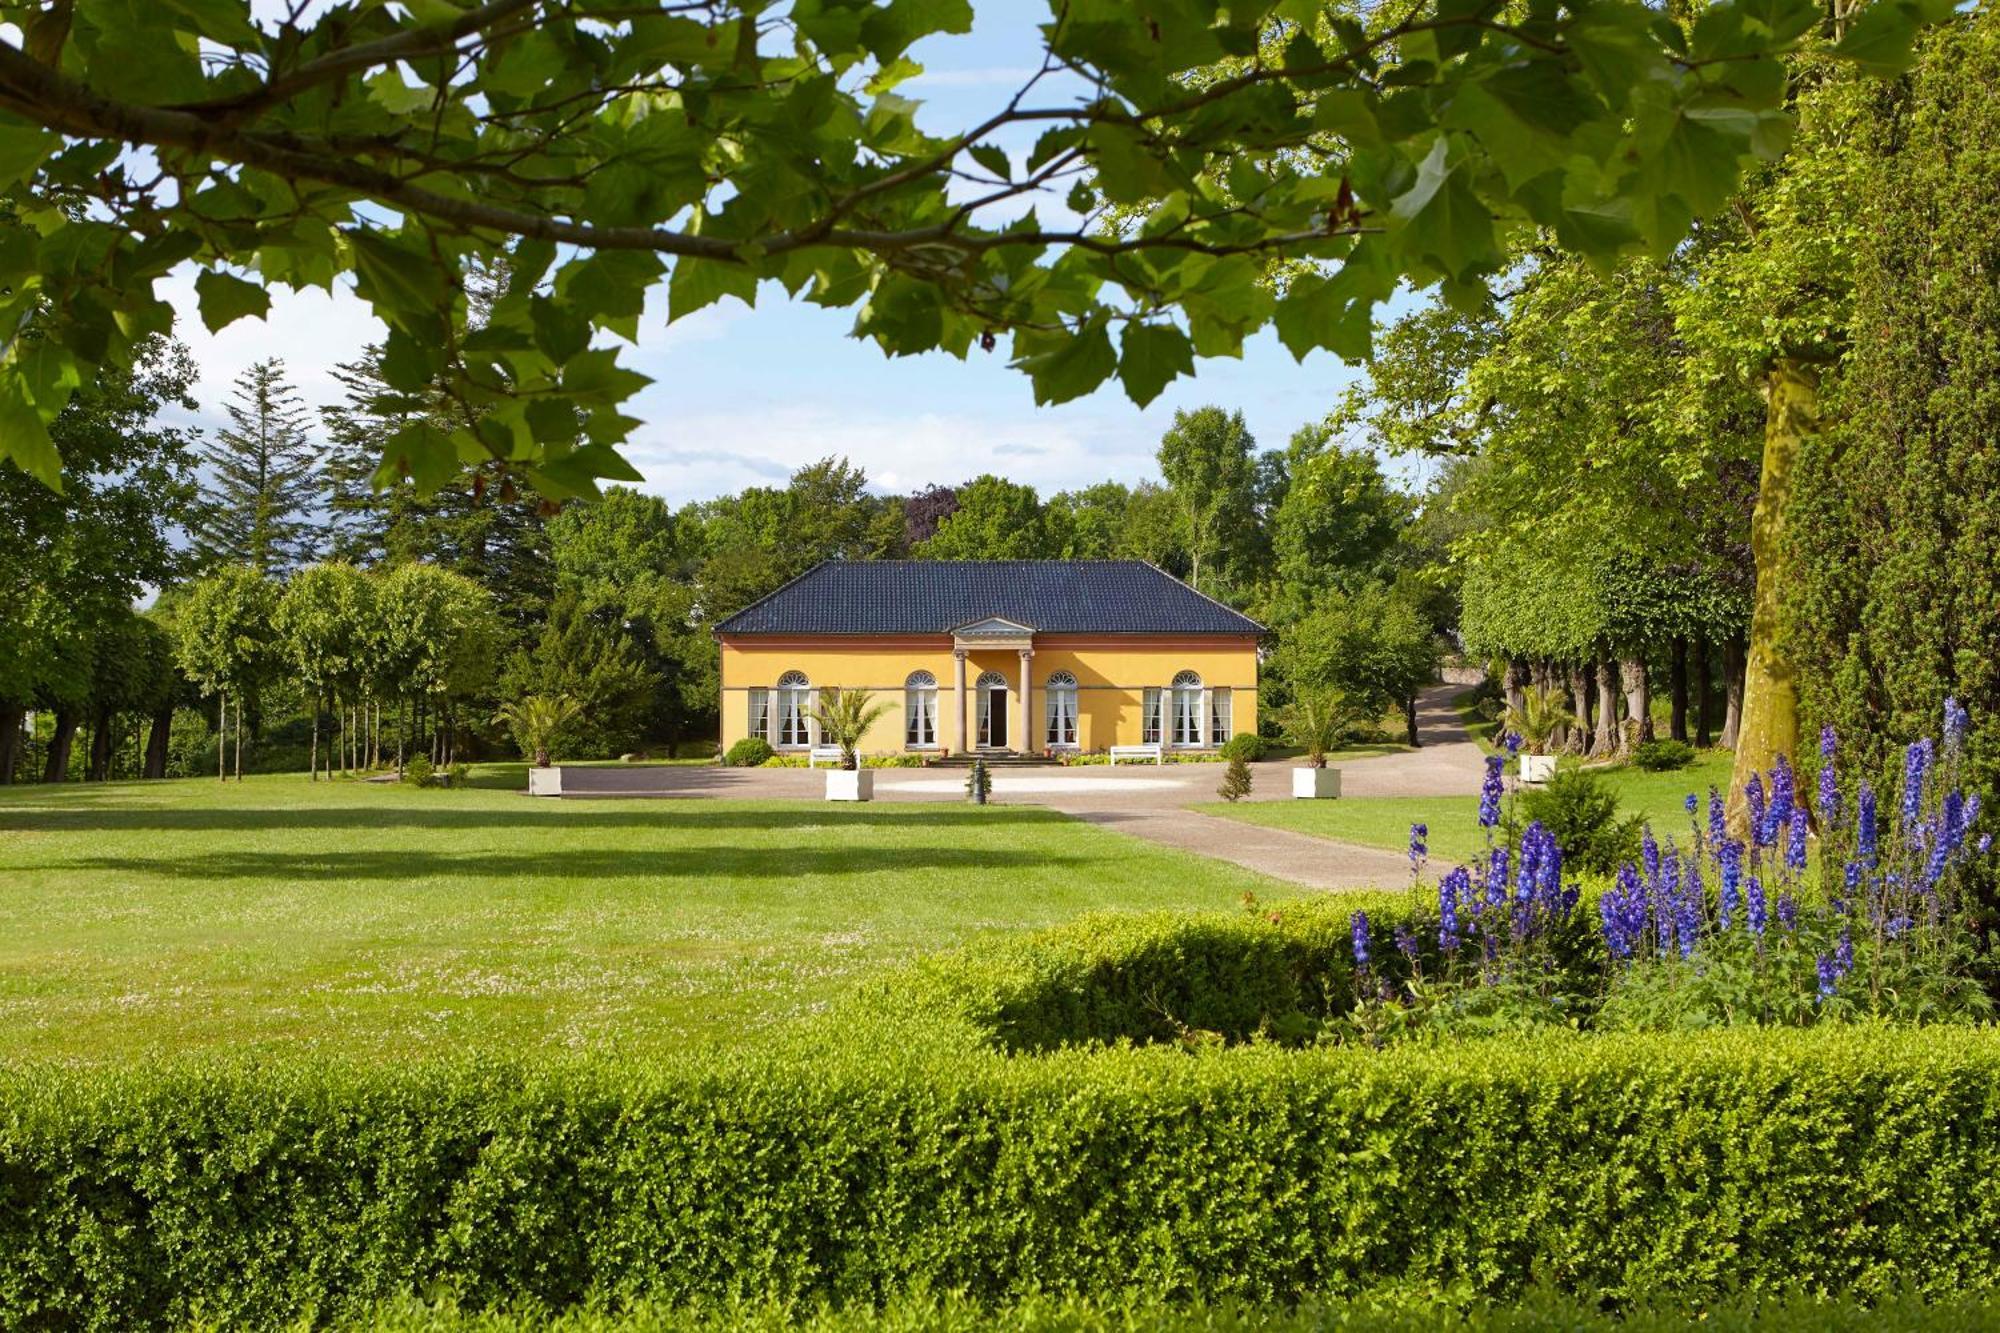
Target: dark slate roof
938,596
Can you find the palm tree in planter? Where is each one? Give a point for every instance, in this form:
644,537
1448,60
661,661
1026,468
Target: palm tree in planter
535,721
1539,718
844,717
1316,722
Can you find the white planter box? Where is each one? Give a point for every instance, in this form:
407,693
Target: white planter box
1315,784
850,784
1537,768
545,781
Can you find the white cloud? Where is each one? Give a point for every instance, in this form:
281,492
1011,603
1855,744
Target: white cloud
311,331
710,452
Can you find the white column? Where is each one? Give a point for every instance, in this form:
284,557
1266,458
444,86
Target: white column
958,745
1028,744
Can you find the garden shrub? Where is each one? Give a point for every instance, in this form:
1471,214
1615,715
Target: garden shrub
750,752
419,771
1664,755
1580,809
1677,1167
1245,745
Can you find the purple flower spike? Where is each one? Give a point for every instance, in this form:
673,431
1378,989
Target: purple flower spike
1489,792
1867,835
1753,795
1795,845
1956,723
1360,929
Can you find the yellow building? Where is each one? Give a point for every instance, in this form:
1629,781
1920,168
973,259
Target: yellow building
997,656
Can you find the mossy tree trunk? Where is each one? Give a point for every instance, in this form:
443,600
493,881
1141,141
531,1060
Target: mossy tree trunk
1770,723
1605,742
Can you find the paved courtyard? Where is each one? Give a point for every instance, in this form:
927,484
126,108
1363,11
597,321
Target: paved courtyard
1143,801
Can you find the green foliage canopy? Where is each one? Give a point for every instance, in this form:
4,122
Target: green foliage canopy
596,150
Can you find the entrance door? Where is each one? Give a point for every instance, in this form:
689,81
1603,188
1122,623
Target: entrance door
992,692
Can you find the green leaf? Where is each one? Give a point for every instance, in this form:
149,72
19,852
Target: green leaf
1883,39
24,437
421,452
994,159
699,282
22,149
1065,366
1151,356
1443,221
405,287
226,298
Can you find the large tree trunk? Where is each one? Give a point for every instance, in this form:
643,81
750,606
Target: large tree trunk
1704,694
1605,742
1410,721
100,748
1517,683
1770,722
1638,701
157,740
12,718
1677,685
57,768
1579,690
1733,668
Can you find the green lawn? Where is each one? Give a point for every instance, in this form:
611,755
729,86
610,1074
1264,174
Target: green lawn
1385,821
381,921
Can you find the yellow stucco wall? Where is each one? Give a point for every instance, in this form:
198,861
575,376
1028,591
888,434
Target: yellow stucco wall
1111,675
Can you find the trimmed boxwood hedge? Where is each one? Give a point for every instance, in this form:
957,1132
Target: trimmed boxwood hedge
1143,977
1858,1161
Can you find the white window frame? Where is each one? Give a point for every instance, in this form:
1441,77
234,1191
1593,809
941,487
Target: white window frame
1221,715
792,727
1152,715
920,699
1189,711
1059,713
760,714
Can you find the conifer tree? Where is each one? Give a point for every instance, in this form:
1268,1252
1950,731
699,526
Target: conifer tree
262,494
1235,780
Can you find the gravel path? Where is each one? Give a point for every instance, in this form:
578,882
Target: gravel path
1141,801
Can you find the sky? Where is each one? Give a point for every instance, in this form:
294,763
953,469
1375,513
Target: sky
744,396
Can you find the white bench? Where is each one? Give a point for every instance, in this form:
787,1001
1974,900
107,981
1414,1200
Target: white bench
1154,752
830,753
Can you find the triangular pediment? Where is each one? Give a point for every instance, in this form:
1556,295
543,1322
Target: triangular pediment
994,627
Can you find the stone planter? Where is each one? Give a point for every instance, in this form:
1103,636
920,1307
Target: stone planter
1537,768
850,784
545,781
1315,784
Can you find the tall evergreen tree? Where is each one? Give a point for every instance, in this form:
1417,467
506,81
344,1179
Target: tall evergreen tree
262,495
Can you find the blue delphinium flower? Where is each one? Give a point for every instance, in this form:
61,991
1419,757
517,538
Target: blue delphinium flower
1622,908
1829,784
1779,812
1497,878
1843,953
1851,887
1511,742
1453,887
1549,872
1795,845
1687,911
1730,862
1419,846
1956,723
1489,792
1360,932
1718,825
1985,843
1692,804
1649,857
1952,822
1896,926
1866,835
1753,794
1406,942
1753,905
1788,911
1829,978
1916,769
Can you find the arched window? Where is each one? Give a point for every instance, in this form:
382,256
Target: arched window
920,711
1060,711
794,720
1187,709
990,696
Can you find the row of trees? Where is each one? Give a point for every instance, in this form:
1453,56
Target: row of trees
417,638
